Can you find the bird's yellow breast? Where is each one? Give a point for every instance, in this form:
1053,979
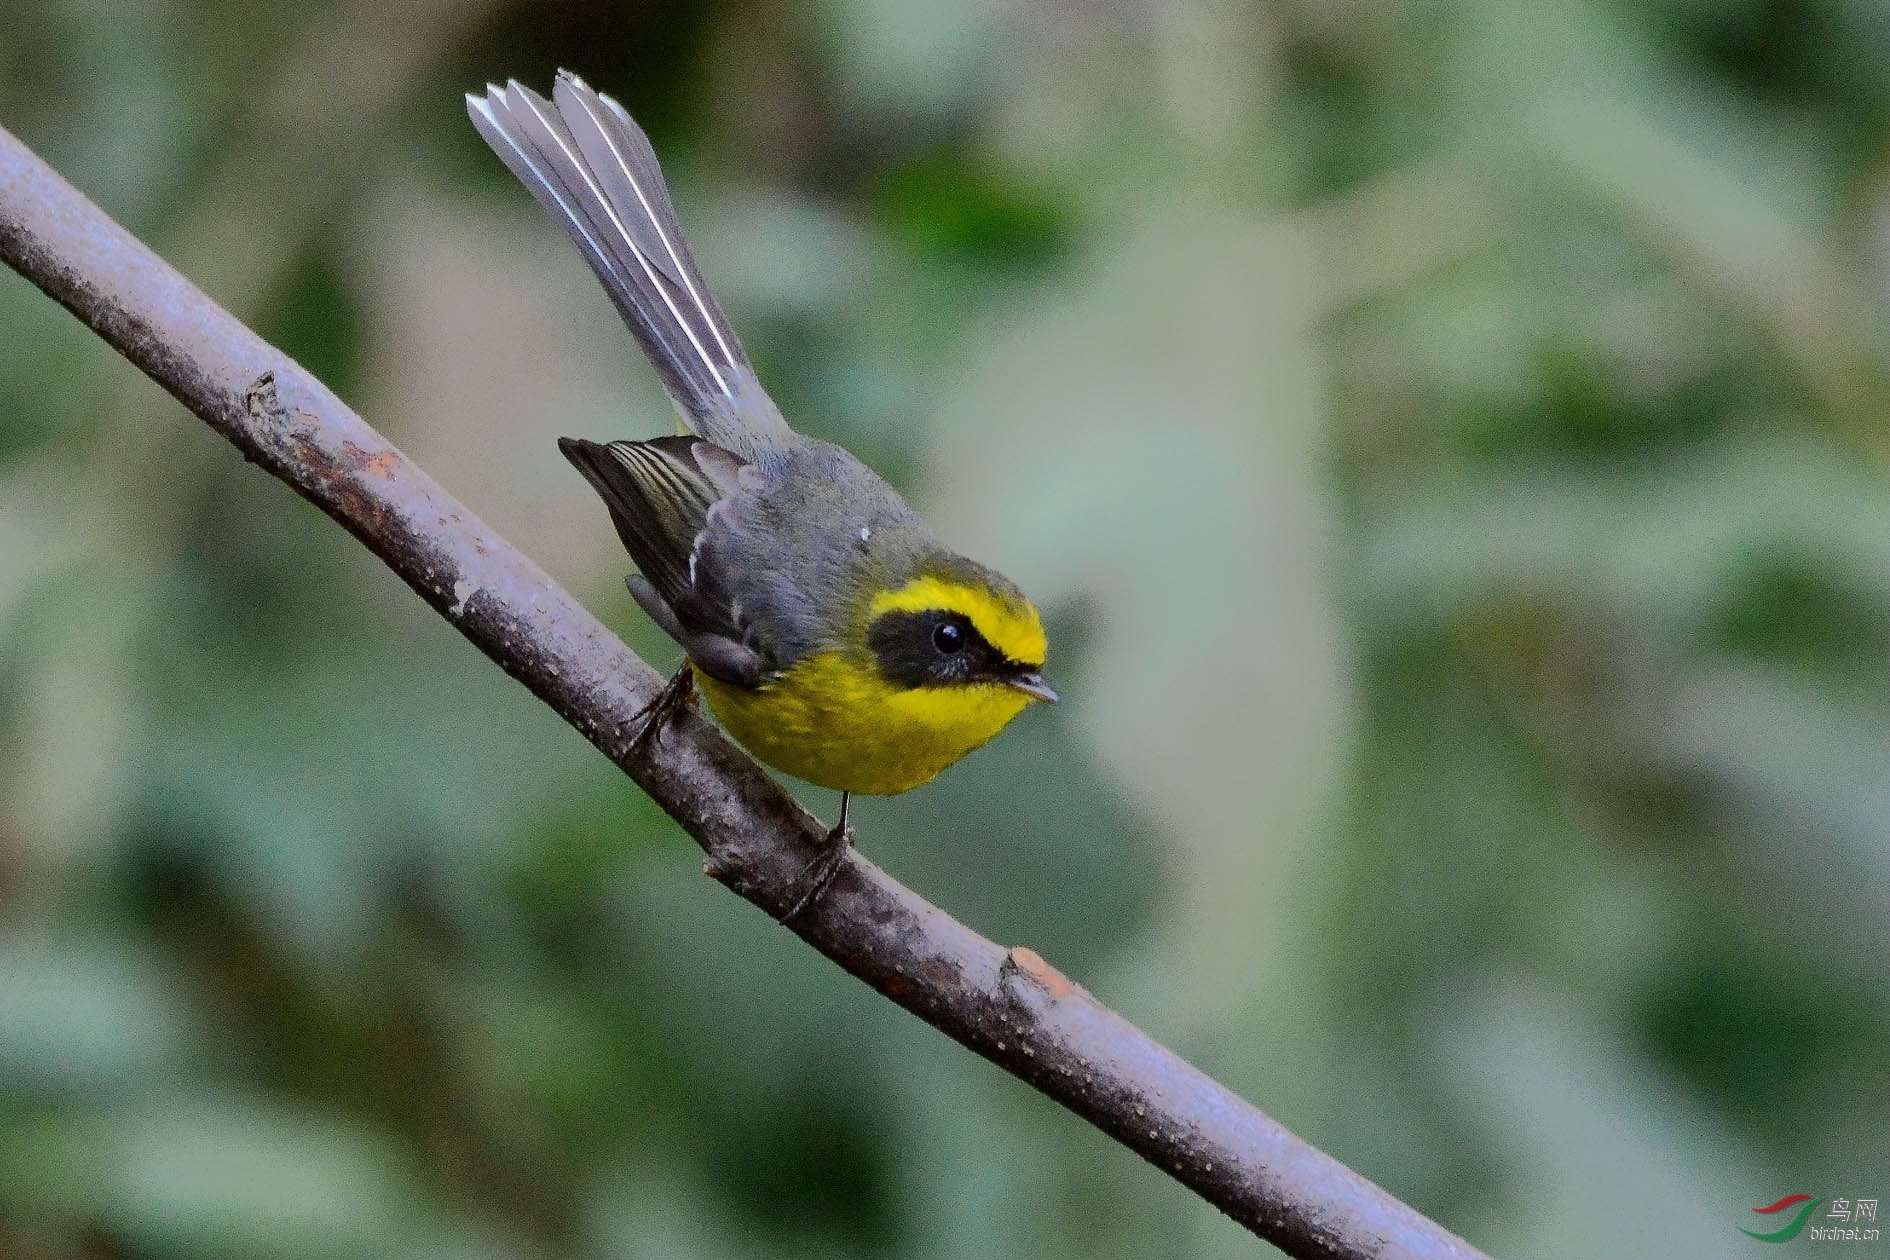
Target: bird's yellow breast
837,723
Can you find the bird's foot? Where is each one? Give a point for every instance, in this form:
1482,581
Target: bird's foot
677,694
826,864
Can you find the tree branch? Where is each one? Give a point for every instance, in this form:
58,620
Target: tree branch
1007,1005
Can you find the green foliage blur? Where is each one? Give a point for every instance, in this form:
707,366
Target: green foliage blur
1449,439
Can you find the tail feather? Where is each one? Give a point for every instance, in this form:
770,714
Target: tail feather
625,164
593,169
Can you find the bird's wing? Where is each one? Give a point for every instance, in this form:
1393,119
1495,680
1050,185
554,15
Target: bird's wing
593,169
664,498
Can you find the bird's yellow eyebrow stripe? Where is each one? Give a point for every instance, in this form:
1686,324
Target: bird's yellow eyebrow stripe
1015,631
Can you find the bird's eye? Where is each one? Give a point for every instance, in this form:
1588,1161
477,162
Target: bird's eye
948,638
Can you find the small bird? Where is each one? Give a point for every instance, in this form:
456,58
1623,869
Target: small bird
835,636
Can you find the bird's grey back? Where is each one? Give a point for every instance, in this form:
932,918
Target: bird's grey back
813,541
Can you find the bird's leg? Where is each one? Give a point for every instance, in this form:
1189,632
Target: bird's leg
677,693
826,863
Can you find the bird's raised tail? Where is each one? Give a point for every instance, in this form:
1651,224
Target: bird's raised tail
593,169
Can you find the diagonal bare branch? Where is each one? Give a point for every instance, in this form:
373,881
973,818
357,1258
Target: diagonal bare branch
1007,1005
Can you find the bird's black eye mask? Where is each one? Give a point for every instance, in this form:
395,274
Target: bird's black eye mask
935,647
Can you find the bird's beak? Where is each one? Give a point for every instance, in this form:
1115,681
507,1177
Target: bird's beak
1032,685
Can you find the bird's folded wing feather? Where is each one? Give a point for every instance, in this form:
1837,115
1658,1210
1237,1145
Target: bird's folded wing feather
663,497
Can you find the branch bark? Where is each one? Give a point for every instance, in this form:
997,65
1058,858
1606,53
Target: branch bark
1009,1006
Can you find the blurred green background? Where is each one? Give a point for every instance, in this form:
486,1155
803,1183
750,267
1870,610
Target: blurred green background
1449,440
